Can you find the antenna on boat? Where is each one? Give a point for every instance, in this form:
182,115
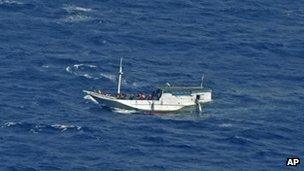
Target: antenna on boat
202,80
120,73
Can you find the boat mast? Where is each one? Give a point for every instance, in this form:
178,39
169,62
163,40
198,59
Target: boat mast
120,73
202,80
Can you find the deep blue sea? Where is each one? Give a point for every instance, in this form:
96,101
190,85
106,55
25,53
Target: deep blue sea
251,52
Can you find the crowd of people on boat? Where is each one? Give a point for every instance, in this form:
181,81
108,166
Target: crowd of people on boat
155,95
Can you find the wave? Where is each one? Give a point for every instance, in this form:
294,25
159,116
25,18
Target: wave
82,70
139,84
111,77
40,128
76,18
225,125
9,124
10,2
90,71
86,75
68,69
65,127
86,65
73,8
76,14
239,140
88,97
297,13
123,111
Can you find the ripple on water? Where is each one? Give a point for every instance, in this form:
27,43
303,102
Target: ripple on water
74,8
89,71
41,128
10,2
76,14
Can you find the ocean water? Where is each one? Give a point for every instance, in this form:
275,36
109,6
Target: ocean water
251,52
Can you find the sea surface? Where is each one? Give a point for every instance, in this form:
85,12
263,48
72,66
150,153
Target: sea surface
250,51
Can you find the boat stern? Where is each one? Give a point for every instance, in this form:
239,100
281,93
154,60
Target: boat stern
204,97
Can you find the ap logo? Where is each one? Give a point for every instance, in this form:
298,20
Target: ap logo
293,161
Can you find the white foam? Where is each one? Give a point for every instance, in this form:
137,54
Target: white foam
87,76
82,9
242,138
68,69
225,125
124,111
77,65
135,84
76,14
39,127
73,8
138,84
65,127
10,2
79,70
33,131
88,97
76,18
109,76
85,65
8,124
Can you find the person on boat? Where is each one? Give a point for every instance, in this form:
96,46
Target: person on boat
123,96
130,97
149,97
141,96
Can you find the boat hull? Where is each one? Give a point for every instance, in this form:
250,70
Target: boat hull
141,105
